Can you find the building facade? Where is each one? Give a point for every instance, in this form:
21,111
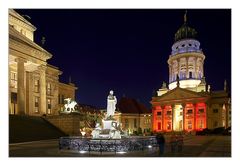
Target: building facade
134,116
188,104
34,87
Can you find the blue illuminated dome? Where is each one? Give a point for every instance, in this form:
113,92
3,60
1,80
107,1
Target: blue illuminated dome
186,60
185,40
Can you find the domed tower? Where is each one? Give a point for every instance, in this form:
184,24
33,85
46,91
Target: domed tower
186,60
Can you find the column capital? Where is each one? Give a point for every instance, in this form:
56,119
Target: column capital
42,67
162,106
183,105
20,59
194,104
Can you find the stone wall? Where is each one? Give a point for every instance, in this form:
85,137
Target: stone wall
69,124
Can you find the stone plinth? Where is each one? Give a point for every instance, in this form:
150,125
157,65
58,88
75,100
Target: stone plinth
107,124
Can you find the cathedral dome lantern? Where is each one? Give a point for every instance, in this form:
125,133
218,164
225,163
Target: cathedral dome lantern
186,59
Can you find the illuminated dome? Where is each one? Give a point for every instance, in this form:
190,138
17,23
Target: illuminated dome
185,32
186,59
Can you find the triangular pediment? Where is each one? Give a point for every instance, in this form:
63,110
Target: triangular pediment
178,94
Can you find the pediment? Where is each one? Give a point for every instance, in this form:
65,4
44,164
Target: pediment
179,93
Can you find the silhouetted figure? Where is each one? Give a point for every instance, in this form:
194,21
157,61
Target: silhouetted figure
173,142
180,142
161,143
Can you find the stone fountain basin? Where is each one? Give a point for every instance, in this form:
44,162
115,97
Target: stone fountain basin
107,145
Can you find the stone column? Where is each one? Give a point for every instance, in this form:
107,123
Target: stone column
170,73
227,113
173,112
179,68
20,86
184,105
202,68
42,81
162,108
194,115
187,72
196,73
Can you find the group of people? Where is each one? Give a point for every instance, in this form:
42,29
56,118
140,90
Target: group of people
176,142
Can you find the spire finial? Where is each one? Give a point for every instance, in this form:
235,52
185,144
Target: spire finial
43,40
185,16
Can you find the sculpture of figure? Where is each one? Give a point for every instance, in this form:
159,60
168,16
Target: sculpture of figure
111,104
70,105
96,132
114,133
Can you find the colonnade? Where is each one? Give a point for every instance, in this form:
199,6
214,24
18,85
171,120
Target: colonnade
180,117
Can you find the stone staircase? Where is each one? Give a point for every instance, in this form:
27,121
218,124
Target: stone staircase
31,128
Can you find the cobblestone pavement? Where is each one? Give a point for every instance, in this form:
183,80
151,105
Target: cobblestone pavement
194,146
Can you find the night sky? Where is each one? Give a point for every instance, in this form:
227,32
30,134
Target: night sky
127,50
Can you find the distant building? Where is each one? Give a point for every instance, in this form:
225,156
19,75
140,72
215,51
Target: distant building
188,104
133,115
34,87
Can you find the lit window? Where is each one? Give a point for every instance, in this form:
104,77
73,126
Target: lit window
36,108
190,74
189,111
49,106
13,80
36,85
169,112
190,125
169,124
48,88
201,111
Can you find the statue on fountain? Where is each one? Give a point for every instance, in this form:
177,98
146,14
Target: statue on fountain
96,131
111,128
114,132
111,105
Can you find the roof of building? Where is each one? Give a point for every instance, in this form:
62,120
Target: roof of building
15,35
185,31
19,17
131,106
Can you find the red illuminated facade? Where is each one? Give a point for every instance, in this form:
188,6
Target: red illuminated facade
186,113
188,104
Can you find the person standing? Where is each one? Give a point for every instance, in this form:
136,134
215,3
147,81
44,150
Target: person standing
180,142
161,143
173,142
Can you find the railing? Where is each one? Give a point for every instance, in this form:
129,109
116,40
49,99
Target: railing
107,145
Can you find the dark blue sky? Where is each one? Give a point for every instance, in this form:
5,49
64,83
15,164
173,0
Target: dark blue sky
127,50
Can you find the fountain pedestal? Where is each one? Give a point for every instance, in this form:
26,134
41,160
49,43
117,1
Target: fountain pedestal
107,124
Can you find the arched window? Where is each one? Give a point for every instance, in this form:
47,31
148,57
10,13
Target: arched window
190,74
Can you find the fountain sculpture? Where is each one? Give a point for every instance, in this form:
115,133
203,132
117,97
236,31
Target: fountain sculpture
109,137
111,128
